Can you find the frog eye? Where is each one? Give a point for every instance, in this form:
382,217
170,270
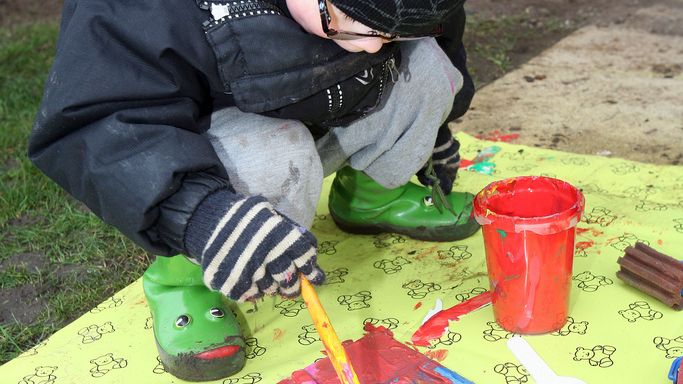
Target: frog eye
182,321
428,201
216,312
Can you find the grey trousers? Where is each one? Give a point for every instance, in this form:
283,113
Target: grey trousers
280,160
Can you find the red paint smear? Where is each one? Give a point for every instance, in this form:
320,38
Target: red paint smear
498,136
277,334
506,138
594,232
437,354
377,358
437,324
660,242
418,305
218,353
582,245
464,163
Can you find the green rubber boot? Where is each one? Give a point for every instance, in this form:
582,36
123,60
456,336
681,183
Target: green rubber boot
360,205
197,335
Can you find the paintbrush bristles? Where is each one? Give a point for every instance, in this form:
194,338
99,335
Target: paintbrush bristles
338,357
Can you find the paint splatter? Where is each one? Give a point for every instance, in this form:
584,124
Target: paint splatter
502,233
378,358
594,232
464,163
437,354
485,167
426,252
497,135
277,334
418,305
581,231
436,326
481,163
583,245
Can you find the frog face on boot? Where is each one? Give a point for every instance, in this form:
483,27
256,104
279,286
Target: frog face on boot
197,335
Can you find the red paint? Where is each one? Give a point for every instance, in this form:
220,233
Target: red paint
218,353
507,138
437,354
464,163
529,268
582,245
498,136
660,242
377,358
594,232
418,305
289,276
581,231
277,334
436,325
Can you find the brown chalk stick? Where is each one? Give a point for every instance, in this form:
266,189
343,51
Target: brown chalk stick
636,267
667,298
653,273
665,265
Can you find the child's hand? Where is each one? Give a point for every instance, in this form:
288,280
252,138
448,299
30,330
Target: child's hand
253,251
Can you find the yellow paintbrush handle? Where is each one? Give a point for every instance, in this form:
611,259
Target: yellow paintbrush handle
335,350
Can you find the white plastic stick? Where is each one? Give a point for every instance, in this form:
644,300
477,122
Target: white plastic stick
536,367
533,363
438,306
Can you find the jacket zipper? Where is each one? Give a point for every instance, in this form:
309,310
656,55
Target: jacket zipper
393,70
388,68
221,12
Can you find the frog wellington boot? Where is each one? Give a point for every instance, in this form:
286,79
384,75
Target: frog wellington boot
358,204
197,335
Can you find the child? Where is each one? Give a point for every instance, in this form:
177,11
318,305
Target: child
205,128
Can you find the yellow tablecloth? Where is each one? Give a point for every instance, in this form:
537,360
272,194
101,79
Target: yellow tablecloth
615,334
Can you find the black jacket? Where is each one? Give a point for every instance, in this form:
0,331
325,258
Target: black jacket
134,82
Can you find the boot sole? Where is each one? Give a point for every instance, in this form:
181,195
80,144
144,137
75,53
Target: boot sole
190,368
438,234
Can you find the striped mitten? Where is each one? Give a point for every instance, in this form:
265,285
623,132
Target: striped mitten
445,160
247,249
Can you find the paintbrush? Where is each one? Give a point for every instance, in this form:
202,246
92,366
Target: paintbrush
335,351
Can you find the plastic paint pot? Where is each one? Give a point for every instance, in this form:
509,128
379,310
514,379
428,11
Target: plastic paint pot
528,224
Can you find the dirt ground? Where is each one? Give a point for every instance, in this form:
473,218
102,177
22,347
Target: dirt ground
14,12
528,27
593,78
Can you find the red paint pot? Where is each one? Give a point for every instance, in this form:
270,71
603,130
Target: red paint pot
528,224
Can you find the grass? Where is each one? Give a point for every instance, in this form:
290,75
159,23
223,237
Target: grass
494,44
79,261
